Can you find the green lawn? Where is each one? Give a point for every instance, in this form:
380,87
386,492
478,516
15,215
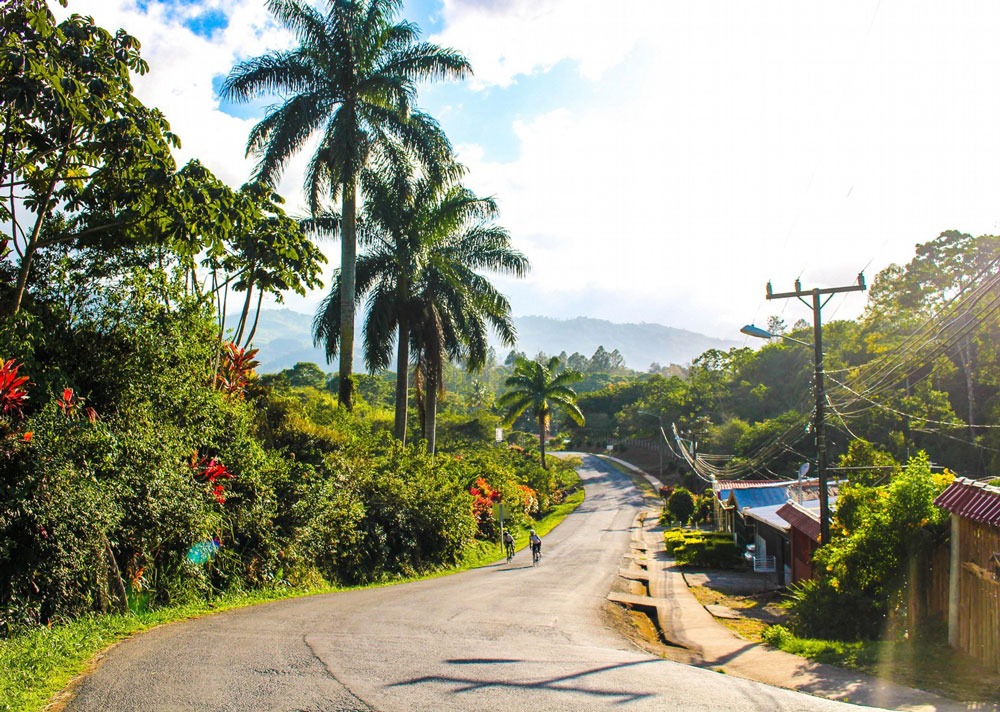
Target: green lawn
36,666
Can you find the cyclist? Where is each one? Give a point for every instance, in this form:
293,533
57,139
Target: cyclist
536,546
508,545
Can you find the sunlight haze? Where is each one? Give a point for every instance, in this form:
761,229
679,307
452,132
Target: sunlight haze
660,161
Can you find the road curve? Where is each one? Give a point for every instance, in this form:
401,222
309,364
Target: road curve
503,637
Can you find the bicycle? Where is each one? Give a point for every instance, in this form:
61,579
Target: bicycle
510,552
536,554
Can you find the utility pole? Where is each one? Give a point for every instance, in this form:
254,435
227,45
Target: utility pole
818,422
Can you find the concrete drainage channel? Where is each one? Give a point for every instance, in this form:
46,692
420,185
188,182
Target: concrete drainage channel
643,580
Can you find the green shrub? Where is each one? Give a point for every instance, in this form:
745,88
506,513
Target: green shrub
776,636
714,550
681,505
819,610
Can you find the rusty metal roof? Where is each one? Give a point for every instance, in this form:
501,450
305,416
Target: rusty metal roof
972,500
743,484
801,518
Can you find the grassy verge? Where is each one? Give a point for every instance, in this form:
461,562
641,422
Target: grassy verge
484,553
36,666
923,664
640,482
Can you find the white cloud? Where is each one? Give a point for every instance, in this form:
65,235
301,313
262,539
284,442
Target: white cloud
708,146
758,142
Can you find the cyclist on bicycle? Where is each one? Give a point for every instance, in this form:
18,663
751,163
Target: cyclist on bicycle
536,546
508,544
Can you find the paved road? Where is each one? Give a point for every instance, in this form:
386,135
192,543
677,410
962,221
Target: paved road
502,637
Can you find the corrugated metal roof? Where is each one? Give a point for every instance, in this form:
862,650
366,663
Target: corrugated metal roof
802,519
768,515
759,496
972,500
744,484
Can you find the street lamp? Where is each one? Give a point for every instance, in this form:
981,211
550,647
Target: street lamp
816,303
757,332
659,443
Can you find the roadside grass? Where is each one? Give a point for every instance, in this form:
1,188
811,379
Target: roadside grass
757,611
488,552
640,482
929,665
36,666
926,663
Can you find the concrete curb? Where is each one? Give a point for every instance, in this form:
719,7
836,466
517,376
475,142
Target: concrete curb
683,621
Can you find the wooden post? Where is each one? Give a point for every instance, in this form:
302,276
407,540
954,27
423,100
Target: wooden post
954,578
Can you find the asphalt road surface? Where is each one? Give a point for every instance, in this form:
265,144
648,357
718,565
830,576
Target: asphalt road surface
503,637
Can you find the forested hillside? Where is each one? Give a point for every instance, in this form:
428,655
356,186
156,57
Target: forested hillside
286,338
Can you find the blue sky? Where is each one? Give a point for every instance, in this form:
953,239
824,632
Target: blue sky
660,161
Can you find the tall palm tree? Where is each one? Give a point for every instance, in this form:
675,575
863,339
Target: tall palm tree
538,387
352,79
425,243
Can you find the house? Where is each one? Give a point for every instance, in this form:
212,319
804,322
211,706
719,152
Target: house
732,496
771,551
803,536
974,569
779,519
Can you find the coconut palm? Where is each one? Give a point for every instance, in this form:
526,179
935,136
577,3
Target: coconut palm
539,387
425,244
352,79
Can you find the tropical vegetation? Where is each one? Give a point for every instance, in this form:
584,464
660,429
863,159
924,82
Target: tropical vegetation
425,244
352,80
144,463
539,388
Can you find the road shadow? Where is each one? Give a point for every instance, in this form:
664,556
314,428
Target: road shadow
557,684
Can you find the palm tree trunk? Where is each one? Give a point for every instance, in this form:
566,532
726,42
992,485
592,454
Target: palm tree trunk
402,380
541,439
256,318
348,258
430,413
243,315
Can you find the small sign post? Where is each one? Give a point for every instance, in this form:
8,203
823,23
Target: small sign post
501,512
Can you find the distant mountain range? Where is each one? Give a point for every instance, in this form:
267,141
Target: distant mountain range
285,338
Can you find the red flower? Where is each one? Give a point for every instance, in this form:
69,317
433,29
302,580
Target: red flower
13,395
27,436
213,471
236,369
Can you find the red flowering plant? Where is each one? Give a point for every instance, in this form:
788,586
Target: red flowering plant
483,499
214,473
73,405
529,500
236,369
13,399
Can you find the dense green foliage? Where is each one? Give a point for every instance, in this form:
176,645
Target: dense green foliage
882,536
315,492
680,505
142,463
